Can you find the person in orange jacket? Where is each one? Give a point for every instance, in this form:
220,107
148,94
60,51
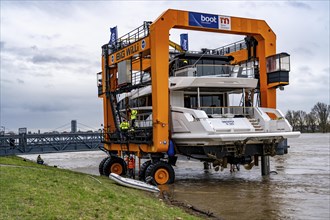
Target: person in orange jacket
131,167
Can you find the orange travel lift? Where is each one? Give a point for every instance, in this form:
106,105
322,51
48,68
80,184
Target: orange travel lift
146,50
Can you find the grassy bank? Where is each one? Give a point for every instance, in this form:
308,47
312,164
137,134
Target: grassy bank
32,191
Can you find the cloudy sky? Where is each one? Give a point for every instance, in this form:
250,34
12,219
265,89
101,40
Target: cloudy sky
51,52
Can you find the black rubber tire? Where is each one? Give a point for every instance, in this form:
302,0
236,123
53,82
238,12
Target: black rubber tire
161,166
114,161
143,169
101,165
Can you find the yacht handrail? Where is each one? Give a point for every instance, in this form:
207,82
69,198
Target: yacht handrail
219,70
230,48
228,111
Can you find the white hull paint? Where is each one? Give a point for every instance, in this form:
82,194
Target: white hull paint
232,137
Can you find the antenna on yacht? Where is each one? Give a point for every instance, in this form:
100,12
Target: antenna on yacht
194,65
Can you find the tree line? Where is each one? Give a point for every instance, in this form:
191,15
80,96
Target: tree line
318,120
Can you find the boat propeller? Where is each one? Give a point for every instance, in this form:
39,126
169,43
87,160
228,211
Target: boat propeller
249,166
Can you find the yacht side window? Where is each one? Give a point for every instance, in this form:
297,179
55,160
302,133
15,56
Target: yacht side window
189,116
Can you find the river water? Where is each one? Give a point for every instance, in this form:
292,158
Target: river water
299,190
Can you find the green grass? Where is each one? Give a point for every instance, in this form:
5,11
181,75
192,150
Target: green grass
32,191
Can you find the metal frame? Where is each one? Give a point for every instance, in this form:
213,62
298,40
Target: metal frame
156,46
48,143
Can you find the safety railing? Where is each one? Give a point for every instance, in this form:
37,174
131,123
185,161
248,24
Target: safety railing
227,112
140,77
223,50
272,120
99,83
138,135
47,143
230,48
201,70
131,37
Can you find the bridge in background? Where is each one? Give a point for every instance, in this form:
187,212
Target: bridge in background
48,143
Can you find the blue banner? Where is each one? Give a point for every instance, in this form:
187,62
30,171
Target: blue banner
203,20
113,35
184,41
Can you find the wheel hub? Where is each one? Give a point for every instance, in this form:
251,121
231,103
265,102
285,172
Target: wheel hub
116,168
162,176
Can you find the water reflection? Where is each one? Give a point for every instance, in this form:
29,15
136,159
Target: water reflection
300,190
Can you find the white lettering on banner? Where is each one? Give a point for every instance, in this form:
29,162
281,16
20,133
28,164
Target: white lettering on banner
208,19
224,22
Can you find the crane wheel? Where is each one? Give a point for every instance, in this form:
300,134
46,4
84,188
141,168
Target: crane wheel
161,172
143,169
115,165
102,165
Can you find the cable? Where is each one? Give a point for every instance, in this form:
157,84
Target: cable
59,127
87,126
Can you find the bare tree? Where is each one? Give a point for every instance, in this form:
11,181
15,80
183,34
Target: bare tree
300,118
289,117
321,110
292,118
296,119
311,122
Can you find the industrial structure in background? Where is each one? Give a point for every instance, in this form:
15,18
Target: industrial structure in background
183,98
49,142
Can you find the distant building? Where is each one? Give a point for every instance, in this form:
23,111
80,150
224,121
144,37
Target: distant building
22,131
73,126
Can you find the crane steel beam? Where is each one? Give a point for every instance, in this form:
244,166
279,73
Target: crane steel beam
156,44
159,39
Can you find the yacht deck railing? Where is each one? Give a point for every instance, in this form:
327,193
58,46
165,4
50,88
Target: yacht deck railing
232,111
201,70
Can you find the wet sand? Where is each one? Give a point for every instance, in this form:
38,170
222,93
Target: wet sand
299,190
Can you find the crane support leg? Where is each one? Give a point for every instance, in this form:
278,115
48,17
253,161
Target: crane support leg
265,165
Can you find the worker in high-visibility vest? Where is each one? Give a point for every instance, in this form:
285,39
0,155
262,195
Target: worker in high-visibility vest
131,167
124,126
133,114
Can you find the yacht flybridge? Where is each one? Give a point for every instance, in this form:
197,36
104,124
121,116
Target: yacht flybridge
214,105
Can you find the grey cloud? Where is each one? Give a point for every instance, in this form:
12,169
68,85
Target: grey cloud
44,59
44,55
43,75
307,77
47,86
34,47
46,107
306,69
6,81
20,81
46,37
19,51
2,45
303,51
326,70
296,4
39,59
